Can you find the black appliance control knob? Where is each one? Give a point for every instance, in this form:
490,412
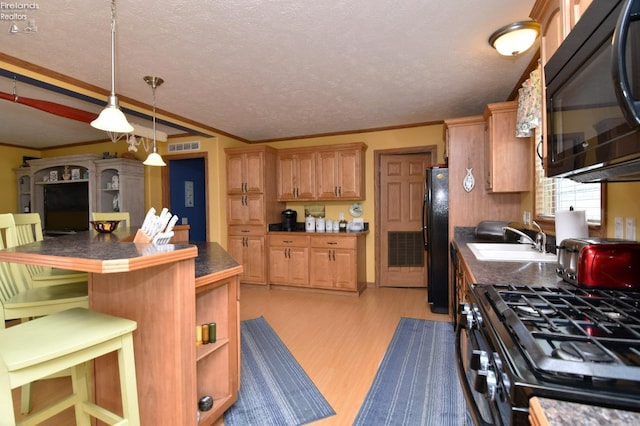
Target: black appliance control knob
479,360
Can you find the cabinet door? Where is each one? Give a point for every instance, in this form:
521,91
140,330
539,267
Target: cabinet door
235,247
326,171
509,162
235,173
299,266
320,268
286,177
305,178
254,172
254,260
278,265
349,174
344,269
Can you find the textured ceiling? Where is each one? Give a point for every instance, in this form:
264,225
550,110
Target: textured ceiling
268,69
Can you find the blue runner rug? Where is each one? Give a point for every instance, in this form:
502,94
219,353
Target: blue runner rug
274,389
417,382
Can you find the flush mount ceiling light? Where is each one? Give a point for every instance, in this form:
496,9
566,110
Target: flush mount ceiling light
154,159
112,119
515,38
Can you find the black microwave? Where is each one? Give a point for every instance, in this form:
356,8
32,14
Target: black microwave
593,96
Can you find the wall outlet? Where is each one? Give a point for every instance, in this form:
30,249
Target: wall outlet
185,221
631,228
619,228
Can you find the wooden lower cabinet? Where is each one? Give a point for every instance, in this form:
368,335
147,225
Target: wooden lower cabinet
321,261
289,260
247,245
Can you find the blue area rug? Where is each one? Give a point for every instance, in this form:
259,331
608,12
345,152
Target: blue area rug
417,382
274,389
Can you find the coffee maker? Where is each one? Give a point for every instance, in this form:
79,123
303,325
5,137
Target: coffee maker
289,220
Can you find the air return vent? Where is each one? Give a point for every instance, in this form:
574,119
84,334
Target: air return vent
184,146
406,249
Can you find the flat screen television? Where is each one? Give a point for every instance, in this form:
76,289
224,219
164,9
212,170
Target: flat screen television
66,207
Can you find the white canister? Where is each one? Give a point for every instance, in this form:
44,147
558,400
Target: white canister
328,224
336,226
320,224
310,224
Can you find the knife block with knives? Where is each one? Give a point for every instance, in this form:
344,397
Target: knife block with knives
156,229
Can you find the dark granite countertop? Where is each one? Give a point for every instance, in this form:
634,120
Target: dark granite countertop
212,259
522,273
537,274
568,413
117,247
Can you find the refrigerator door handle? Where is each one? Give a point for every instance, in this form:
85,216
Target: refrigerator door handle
425,225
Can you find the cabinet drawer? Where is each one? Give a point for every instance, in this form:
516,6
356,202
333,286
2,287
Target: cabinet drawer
245,230
288,240
333,241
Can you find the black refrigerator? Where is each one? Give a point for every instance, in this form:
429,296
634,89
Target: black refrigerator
435,237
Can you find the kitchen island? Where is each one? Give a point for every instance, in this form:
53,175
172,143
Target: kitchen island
167,290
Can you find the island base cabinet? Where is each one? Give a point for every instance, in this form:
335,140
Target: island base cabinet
165,349
217,366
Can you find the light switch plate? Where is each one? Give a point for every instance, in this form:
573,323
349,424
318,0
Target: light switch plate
619,228
631,229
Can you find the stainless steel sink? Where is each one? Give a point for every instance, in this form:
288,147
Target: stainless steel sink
505,252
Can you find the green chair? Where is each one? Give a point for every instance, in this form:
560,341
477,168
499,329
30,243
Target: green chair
29,230
62,341
20,300
123,216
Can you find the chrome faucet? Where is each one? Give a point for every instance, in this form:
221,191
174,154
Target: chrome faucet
541,239
539,243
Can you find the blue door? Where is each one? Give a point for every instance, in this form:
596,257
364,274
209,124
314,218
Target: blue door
187,189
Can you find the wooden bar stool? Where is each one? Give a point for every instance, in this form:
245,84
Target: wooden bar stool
68,339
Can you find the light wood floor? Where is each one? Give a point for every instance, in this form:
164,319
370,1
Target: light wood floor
339,340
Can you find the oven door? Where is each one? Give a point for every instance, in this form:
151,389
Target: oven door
476,370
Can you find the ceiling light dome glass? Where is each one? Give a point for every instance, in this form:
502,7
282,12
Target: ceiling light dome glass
112,119
515,38
154,159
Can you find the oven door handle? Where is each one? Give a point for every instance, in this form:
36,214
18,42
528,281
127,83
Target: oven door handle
466,388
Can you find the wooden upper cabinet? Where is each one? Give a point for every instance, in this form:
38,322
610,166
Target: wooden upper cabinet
329,172
508,159
576,10
557,18
296,175
340,172
245,170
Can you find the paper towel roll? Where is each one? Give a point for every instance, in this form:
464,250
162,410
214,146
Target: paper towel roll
571,224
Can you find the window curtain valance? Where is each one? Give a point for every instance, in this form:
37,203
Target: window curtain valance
529,115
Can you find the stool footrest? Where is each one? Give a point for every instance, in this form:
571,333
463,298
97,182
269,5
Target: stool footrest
39,416
103,414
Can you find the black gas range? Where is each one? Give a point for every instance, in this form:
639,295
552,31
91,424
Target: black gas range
569,343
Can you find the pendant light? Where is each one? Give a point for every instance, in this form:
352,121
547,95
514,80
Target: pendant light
154,159
515,38
112,119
